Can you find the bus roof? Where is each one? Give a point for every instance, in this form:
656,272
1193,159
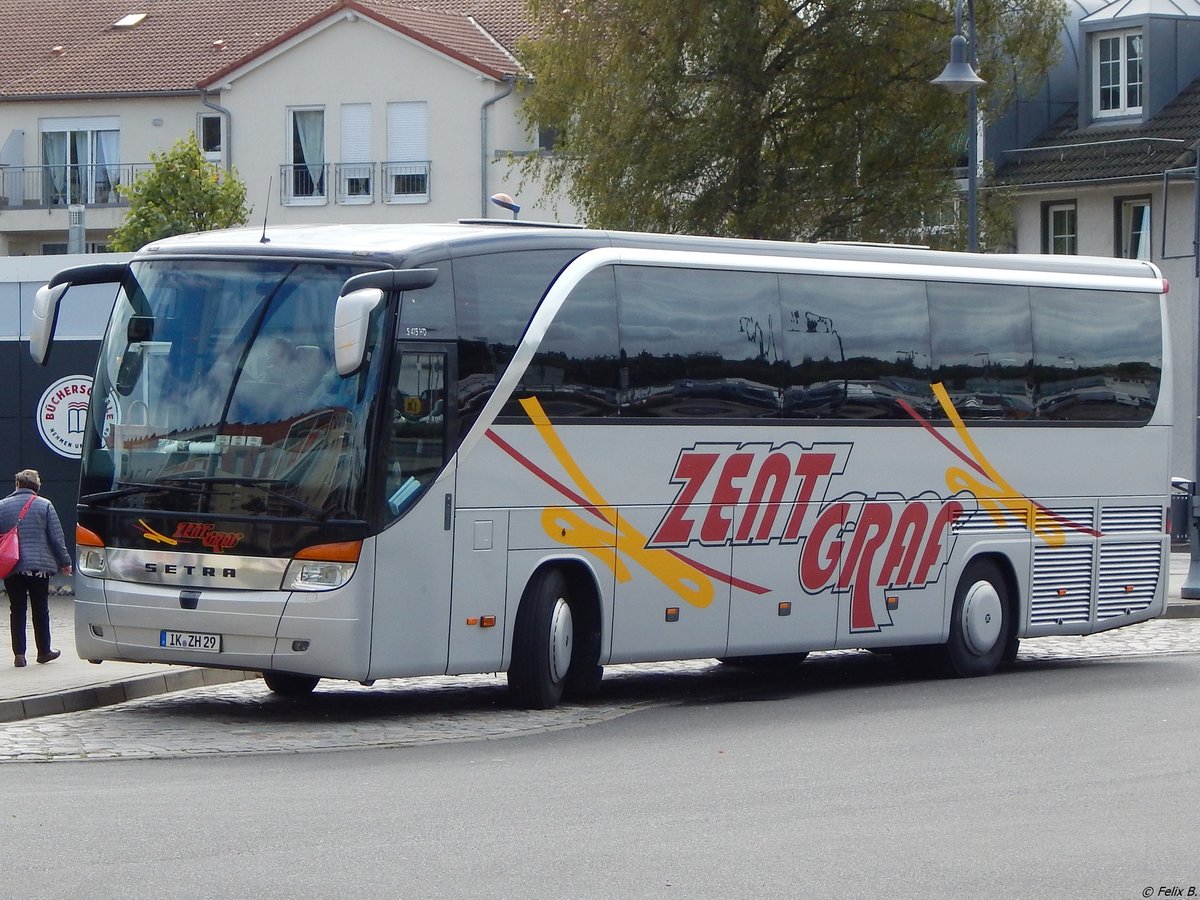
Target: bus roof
394,245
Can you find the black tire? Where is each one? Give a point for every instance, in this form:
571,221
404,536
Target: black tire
285,684
981,621
543,642
770,661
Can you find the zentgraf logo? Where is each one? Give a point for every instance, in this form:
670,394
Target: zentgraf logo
62,412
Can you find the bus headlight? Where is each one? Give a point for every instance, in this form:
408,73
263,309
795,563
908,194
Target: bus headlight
91,557
322,567
316,576
92,561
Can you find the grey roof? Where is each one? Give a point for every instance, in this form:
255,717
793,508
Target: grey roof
1127,9
1063,154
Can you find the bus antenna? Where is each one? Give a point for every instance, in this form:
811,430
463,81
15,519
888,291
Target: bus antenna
266,208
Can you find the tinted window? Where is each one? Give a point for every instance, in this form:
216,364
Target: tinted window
495,295
855,347
429,312
574,372
983,348
1097,354
699,343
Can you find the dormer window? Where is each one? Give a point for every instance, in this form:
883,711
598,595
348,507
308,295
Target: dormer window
1117,73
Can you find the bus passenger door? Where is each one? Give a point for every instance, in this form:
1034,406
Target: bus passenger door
414,555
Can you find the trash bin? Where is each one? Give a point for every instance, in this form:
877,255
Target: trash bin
1181,509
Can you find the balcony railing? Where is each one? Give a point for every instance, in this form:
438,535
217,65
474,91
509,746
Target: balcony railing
46,187
355,183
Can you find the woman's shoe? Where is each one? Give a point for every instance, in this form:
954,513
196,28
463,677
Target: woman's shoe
19,660
49,656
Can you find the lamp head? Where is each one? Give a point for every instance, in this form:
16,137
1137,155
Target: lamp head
958,76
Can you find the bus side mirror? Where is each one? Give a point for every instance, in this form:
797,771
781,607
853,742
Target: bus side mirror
351,320
45,317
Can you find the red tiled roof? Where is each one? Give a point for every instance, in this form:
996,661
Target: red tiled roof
70,47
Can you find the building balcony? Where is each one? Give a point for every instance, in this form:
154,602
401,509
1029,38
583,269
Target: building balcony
50,187
353,184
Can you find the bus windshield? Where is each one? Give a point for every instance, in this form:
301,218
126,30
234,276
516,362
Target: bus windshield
216,393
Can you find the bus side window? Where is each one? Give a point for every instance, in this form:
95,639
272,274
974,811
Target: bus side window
574,372
855,347
983,348
699,343
1097,355
417,436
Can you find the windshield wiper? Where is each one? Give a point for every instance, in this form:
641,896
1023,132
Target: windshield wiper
127,488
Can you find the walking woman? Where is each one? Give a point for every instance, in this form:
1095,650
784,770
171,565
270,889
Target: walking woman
43,552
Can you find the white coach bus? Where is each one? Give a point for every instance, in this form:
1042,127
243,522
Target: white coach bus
362,452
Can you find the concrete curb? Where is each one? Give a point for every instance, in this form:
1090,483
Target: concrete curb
111,693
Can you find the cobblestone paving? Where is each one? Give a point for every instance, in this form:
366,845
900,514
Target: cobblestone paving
246,718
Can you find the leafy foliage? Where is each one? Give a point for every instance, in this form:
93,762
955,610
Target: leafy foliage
182,192
808,119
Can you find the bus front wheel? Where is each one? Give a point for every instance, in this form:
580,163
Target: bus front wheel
543,641
285,684
980,622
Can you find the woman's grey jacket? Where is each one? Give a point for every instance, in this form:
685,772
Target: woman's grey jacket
43,547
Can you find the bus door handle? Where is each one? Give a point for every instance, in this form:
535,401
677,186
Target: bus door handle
448,521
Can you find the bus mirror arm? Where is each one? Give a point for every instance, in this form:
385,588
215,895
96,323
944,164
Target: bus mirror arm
392,280
351,320
47,298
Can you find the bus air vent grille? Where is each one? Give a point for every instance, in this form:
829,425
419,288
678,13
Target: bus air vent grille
1079,518
1062,584
1129,575
988,520
1126,519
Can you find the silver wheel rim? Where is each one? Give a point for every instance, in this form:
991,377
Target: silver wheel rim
982,618
562,634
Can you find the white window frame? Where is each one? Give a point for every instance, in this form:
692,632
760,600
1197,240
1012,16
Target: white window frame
320,187
1113,74
1135,219
212,155
356,171
89,177
408,153
1067,210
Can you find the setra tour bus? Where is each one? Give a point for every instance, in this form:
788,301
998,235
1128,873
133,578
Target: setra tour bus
362,452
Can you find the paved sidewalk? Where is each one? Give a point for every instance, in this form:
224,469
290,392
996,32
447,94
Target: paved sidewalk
70,684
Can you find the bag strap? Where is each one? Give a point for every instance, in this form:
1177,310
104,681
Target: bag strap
25,508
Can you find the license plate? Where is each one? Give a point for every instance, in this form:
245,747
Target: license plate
190,640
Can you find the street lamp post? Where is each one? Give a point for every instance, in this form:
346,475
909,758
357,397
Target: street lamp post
959,76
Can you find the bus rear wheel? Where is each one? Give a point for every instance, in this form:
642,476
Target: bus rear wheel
543,642
981,625
285,684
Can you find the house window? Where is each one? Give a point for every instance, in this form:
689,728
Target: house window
1133,228
356,170
208,133
406,172
81,160
1117,73
304,181
1059,231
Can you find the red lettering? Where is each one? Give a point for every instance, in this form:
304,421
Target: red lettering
717,525
869,535
810,467
906,543
692,469
772,481
819,560
933,545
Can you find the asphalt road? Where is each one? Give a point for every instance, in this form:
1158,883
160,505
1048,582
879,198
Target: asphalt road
1059,778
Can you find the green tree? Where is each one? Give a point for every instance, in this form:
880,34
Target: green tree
182,192
808,119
